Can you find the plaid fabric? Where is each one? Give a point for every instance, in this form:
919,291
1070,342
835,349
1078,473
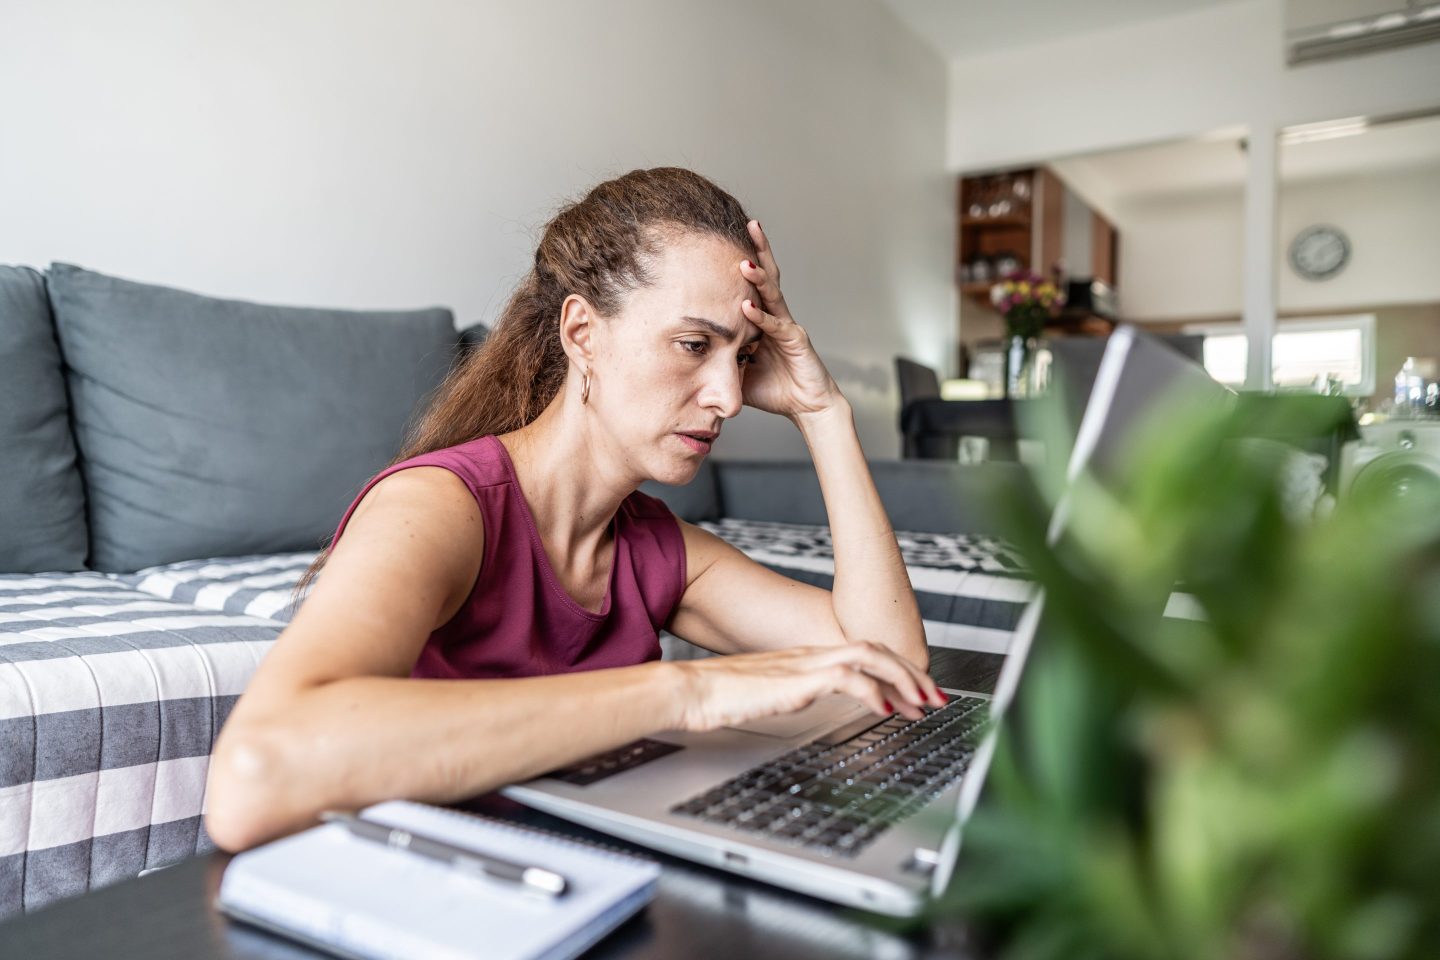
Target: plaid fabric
113,687
110,699
256,586
971,590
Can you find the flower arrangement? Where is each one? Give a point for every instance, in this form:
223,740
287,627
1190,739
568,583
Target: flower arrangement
1026,300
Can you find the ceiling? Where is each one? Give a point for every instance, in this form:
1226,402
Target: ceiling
1384,147
1181,166
1218,163
965,28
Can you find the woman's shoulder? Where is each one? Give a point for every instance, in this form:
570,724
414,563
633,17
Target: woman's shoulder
480,462
445,480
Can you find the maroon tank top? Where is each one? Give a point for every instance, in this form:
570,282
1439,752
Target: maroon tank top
518,621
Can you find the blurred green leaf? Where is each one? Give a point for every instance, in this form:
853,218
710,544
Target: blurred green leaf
1263,781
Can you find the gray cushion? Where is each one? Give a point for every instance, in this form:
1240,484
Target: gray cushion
470,338
219,427
695,501
42,503
925,496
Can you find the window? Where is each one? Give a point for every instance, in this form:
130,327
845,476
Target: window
1304,349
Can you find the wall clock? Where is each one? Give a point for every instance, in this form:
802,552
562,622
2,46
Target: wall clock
1319,252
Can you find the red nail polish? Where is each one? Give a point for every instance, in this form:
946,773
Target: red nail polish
749,264
888,708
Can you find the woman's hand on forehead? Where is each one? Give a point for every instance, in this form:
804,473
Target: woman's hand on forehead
786,375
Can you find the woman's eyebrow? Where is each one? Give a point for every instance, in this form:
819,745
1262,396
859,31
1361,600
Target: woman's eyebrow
719,329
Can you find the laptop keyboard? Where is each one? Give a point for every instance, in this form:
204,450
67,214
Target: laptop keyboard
835,796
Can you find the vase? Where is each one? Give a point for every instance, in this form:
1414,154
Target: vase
1019,366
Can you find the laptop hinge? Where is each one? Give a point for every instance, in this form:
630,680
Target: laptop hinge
922,860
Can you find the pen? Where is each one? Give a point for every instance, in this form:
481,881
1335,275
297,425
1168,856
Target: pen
541,880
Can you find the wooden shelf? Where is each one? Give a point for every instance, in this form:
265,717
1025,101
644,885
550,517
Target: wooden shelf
1033,233
1015,234
1011,220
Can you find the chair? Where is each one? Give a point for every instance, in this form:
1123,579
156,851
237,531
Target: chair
917,382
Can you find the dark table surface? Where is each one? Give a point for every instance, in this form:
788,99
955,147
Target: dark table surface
698,912
933,427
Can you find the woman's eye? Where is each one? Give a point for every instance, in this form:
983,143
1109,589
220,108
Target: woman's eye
701,347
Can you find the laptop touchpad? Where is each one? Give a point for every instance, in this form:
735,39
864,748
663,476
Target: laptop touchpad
826,712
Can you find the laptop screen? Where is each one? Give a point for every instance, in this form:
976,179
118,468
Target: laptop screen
1077,362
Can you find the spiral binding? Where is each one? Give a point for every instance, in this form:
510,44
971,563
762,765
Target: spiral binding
551,835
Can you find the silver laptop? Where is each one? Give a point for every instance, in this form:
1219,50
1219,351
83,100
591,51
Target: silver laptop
832,800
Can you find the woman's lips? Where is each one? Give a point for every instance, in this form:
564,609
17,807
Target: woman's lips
699,446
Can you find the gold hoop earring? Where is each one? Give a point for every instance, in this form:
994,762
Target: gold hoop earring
585,387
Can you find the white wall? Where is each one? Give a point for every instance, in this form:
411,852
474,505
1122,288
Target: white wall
1180,255
366,154
1181,76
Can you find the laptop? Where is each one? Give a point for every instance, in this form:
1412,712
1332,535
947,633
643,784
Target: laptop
832,800
1077,360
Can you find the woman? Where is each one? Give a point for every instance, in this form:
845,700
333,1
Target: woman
491,610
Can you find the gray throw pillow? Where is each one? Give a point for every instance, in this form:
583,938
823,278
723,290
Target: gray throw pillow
42,503
214,427
471,338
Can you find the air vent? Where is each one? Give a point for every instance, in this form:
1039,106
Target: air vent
1328,29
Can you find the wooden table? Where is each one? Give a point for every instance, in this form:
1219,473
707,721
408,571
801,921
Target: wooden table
698,913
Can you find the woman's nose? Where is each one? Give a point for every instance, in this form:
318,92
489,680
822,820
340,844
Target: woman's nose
722,391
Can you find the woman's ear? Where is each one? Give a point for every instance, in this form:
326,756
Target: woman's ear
577,330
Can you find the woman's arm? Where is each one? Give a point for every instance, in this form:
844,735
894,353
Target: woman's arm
734,605
872,596
332,719
349,743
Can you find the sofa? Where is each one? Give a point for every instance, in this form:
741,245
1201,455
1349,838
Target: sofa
173,462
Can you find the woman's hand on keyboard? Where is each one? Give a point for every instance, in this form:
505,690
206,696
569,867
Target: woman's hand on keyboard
724,691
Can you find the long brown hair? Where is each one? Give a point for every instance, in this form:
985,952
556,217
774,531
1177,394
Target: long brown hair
600,247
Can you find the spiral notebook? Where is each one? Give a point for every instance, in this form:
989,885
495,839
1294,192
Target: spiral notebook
355,898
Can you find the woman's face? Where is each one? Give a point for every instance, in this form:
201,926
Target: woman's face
671,363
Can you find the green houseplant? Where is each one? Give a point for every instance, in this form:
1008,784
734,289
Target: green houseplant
1260,782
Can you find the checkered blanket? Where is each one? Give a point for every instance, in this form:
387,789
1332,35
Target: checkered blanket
971,590
113,687
110,699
